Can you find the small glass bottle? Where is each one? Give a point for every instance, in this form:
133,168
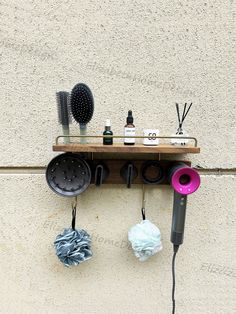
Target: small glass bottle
129,129
108,140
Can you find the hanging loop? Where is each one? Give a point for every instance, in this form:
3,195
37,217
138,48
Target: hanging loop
74,207
143,203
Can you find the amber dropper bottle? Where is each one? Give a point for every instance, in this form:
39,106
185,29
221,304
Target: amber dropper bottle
129,129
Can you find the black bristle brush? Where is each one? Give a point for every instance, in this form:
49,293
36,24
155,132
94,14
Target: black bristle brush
64,116
82,107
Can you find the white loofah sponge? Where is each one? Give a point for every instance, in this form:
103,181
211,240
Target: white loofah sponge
145,239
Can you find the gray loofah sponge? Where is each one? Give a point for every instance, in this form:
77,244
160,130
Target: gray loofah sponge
73,246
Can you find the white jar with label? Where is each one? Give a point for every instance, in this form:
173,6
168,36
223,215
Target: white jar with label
150,140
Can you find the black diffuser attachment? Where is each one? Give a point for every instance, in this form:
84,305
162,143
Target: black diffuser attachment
68,175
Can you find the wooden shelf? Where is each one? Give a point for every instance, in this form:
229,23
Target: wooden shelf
121,148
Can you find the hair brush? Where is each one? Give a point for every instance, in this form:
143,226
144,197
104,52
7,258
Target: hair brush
82,107
64,116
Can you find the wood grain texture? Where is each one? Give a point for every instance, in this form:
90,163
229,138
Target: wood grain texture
121,148
114,167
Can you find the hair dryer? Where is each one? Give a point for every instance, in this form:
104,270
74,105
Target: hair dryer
184,180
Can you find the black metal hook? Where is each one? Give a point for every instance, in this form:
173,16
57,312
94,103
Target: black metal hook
101,173
129,172
130,175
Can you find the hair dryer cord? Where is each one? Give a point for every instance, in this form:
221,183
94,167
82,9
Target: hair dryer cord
175,248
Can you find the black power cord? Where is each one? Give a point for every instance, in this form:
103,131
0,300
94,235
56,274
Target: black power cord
175,249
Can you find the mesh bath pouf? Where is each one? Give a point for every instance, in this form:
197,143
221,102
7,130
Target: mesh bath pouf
73,246
145,239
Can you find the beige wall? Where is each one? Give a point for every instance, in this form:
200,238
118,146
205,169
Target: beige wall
141,55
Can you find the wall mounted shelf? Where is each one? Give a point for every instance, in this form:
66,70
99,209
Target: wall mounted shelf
121,148
124,169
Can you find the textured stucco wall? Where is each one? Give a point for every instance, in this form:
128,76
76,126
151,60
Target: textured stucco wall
144,55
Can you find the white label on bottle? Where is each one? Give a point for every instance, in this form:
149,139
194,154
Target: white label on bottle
129,132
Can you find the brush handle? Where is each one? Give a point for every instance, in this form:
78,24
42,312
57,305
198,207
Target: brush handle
178,218
83,131
66,131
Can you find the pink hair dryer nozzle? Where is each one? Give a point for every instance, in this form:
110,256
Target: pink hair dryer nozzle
185,180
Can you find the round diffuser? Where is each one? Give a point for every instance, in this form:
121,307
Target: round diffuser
68,175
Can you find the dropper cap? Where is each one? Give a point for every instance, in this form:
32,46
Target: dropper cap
108,122
130,118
